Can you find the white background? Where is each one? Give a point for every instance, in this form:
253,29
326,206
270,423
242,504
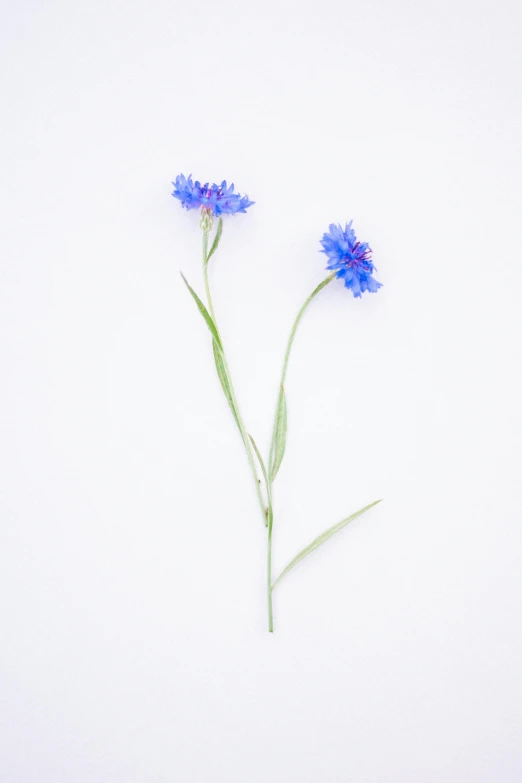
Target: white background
132,551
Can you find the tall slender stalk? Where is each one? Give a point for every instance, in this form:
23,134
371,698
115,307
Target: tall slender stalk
269,579
297,321
242,429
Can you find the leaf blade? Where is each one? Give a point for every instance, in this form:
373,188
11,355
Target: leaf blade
204,312
215,243
277,450
225,383
270,514
321,539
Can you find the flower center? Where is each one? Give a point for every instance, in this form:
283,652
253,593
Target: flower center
355,257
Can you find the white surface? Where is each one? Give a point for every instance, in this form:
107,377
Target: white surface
132,555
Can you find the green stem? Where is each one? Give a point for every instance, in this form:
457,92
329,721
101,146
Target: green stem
269,580
242,429
297,321
269,521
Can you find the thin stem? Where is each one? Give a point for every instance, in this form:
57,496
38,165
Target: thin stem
297,321
242,429
269,521
269,579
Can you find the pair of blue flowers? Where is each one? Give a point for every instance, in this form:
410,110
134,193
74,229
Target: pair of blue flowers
348,258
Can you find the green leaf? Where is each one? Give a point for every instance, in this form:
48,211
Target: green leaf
270,513
215,243
225,383
204,312
279,438
322,539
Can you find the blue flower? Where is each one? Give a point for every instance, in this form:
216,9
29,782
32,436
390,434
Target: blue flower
349,259
219,199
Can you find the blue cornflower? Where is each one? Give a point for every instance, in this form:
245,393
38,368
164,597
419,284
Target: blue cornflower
349,259
218,199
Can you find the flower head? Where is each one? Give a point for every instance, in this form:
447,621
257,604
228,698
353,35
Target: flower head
349,259
219,199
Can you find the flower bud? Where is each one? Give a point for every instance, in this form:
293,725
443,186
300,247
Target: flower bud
207,219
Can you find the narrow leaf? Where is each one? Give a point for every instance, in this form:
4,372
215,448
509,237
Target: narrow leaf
215,243
279,438
322,539
204,312
270,514
225,383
